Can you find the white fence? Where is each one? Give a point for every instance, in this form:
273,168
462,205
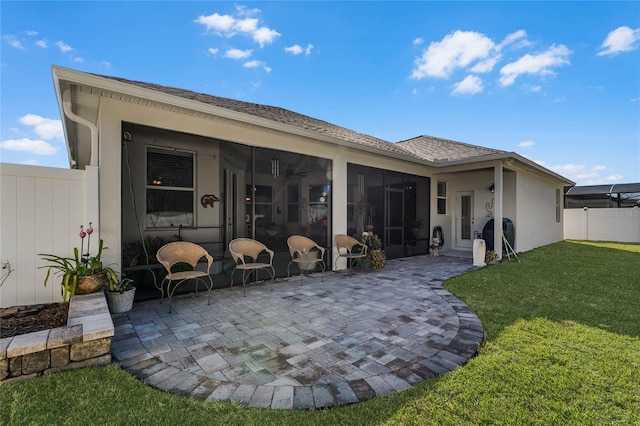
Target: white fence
622,225
41,210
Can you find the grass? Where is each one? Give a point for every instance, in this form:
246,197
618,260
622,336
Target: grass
563,347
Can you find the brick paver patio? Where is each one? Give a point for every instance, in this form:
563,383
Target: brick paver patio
319,344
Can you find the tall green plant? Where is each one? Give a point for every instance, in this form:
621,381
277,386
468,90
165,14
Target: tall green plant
80,265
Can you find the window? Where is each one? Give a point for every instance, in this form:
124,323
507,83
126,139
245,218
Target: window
170,188
442,197
558,206
263,195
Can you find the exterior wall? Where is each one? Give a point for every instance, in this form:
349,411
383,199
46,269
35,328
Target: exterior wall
477,182
114,112
42,210
536,212
622,225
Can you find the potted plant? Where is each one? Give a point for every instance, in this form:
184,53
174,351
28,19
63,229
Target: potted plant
491,257
375,256
120,296
82,273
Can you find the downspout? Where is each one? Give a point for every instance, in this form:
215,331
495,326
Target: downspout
92,196
66,105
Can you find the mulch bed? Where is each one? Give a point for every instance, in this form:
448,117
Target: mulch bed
18,320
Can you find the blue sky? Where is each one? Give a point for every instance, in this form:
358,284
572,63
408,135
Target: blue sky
557,82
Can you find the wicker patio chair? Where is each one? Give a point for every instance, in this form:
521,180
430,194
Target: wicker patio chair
345,246
183,252
306,254
244,249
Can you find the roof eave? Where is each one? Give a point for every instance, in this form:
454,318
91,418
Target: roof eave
506,156
77,77
58,91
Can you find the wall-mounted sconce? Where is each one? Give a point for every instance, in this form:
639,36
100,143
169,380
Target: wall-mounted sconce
492,188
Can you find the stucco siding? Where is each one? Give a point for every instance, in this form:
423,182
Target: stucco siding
536,213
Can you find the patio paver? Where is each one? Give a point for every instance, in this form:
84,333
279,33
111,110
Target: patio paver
315,345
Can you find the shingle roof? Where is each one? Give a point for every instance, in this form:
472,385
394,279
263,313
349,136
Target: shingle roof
276,114
433,149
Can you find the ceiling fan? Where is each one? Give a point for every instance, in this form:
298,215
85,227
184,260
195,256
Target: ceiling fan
291,172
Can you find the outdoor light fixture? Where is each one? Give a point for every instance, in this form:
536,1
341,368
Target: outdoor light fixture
492,188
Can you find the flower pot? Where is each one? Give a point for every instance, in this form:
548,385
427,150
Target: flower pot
120,302
91,283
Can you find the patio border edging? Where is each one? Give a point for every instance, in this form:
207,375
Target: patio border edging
85,341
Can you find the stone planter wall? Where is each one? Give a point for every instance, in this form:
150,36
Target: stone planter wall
84,342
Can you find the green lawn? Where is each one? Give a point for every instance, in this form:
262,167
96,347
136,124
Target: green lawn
563,347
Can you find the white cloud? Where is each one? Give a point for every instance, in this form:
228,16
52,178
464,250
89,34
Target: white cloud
539,64
265,35
257,64
418,41
45,128
32,33
13,41
214,51
222,24
237,53
31,162
42,43
245,23
535,88
471,85
248,25
39,147
518,38
462,49
486,65
526,144
634,99
78,59
296,49
253,64
622,39
583,174
64,47
456,50
613,178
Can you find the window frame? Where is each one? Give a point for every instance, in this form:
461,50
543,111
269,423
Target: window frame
152,187
441,197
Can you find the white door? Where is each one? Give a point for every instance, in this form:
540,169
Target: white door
464,219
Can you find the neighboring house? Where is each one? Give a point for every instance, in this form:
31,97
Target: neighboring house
172,161
603,196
